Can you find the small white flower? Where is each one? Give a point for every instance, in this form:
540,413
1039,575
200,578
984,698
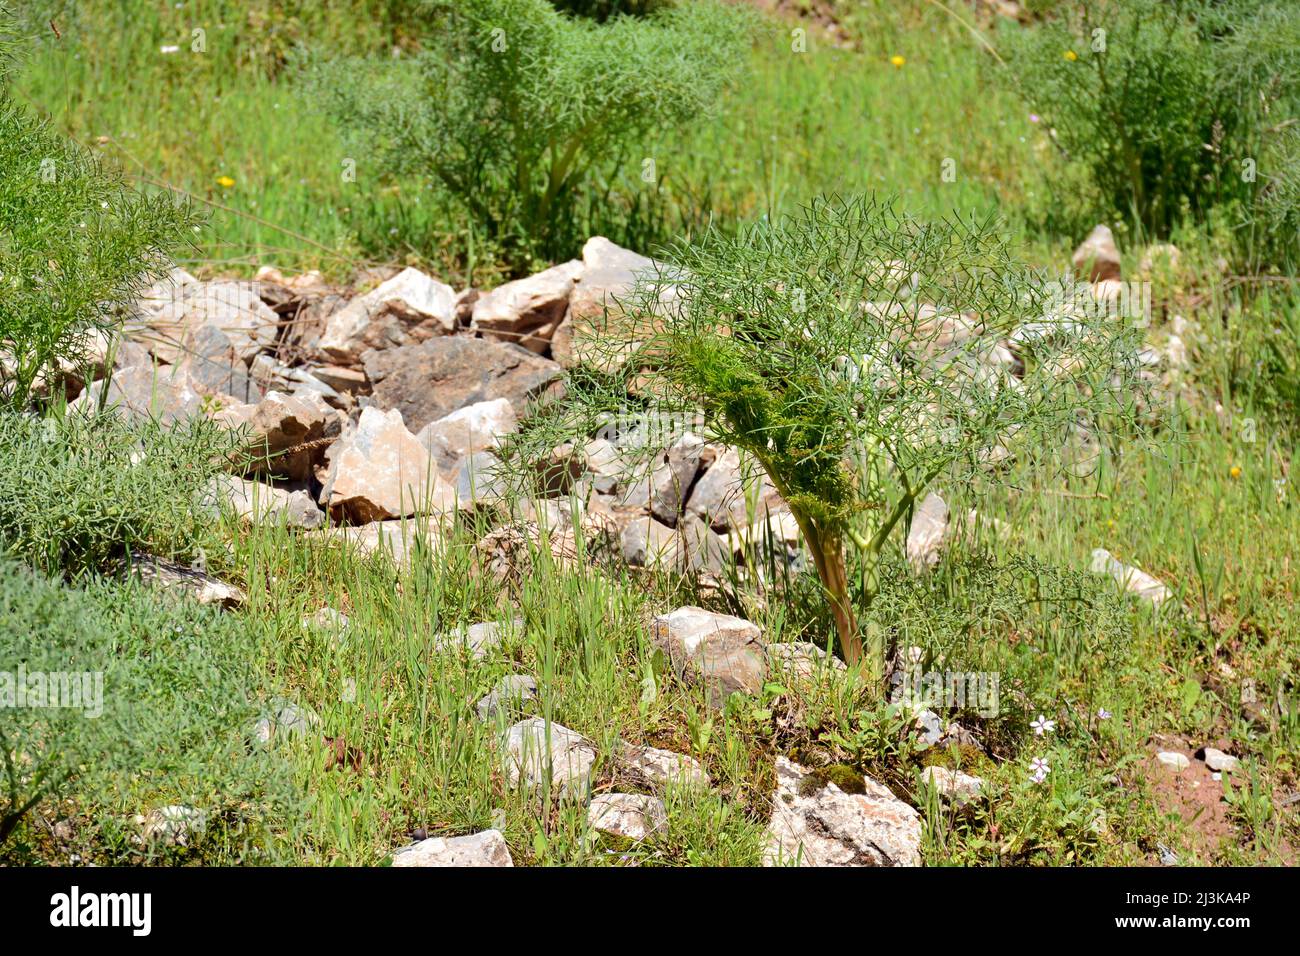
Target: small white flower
1103,713
1042,726
1040,769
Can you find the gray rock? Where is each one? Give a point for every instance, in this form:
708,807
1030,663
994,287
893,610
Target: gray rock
326,619
166,395
488,848
727,493
170,315
1131,579
647,543
1173,760
1097,257
664,767
379,470
213,362
406,309
538,754
803,661
284,721
815,823
929,529
476,639
724,653
633,816
474,428
665,489
510,695
527,311
189,582
431,380
1219,761
286,435
607,286
256,503
480,478
396,541
175,825
953,785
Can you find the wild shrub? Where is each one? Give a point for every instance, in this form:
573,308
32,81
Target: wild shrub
853,352
1174,108
74,240
128,703
515,107
77,492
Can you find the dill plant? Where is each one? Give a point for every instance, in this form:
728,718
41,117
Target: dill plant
857,354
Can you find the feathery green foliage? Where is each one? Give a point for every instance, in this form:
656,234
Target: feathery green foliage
1174,108
77,492
856,353
74,240
516,107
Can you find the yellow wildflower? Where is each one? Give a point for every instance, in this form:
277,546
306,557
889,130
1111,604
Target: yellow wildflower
898,61
225,182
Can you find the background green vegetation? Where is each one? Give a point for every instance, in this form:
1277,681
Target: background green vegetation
1208,506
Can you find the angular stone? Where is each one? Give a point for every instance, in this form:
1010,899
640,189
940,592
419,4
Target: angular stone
953,785
605,465
379,470
1173,760
724,495
664,767
1219,761
476,639
398,541
724,653
1097,258
632,816
175,825
184,581
346,381
172,311
669,483
647,543
802,660
510,695
606,289
1131,579
142,391
527,311
488,848
326,619
474,428
257,503
287,434
213,363
538,753
429,381
410,307
815,823
480,479
284,721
